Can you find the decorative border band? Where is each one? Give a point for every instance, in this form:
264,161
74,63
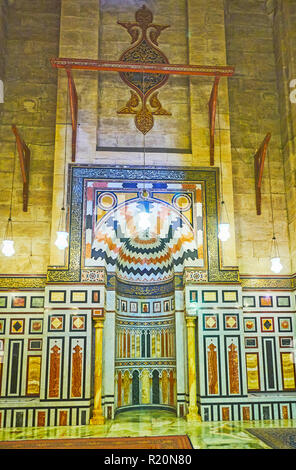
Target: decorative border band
79,173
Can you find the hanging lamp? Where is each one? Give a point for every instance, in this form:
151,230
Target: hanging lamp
62,235
144,222
8,242
224,225
275,260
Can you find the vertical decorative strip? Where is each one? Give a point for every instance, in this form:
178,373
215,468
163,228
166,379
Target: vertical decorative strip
14,366
33,375
133,345
172,389
118,343
54,372
121,343
162,354
143,341
288,370
41,418
145,379
269,363
119,389
153,344
212,370
164,387
233,369
166,344
158,351
246,413
252,371
285,413
1,362
63,418
138,351
225,413
135,388
76,389
128,344
148,344
126,387
1,372
124,344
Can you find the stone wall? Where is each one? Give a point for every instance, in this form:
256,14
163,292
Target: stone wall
3,35
254,111
30,103
252,37
283,15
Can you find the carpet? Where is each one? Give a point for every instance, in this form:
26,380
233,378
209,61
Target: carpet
151,442
277,438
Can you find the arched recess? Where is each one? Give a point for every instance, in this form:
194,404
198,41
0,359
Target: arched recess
145,278
145,320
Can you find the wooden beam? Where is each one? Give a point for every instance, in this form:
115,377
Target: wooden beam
24,157
259,159
118,66
212,118
73,109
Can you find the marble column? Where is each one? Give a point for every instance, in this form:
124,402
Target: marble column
192,408
98,417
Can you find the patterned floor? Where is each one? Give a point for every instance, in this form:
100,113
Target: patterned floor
206,435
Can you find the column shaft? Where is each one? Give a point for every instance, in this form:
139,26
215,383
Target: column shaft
193,410
98,417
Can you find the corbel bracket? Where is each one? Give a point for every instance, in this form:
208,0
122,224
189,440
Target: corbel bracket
73,109
24,157
212,118
259,166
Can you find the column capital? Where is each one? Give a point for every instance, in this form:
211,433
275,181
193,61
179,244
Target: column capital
190,320
98,317
98,322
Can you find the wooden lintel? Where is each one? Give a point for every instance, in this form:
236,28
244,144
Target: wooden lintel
73,109
119,66
259,159
212,118
24,157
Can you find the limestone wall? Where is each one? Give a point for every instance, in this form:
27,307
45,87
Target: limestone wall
251,37
283,15
30,103
100,95
3,35
254,111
